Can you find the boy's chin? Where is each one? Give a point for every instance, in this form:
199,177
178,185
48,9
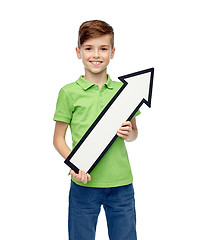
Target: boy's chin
98,71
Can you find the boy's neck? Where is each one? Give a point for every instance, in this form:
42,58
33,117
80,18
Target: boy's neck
98,79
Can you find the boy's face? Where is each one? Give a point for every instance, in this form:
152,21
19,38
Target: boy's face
96,54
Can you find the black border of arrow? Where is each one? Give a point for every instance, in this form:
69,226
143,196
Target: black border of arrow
147,102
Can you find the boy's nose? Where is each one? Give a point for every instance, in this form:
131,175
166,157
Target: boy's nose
95,54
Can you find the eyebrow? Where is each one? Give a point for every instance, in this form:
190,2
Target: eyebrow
89,45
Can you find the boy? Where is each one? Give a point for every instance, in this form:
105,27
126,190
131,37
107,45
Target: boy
78,105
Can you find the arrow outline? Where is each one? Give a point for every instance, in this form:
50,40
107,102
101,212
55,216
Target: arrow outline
147,102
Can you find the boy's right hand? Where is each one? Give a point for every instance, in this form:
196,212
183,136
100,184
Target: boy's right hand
81,176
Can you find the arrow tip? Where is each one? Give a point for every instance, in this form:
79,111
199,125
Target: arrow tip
142,79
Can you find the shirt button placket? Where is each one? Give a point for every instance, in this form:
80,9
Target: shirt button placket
101,99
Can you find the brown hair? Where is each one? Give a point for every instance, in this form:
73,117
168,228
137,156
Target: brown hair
93,29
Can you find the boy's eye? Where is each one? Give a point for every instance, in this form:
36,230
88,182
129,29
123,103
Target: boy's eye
88,49
104,49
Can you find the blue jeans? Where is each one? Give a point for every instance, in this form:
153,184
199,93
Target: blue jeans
84,208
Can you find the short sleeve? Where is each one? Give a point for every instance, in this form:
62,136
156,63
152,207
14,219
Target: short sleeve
63,112
137,113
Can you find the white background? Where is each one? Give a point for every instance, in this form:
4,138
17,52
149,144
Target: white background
37,57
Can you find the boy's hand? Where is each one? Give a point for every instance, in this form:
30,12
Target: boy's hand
125,130
81,176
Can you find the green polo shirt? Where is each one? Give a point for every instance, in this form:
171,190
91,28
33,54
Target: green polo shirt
79,104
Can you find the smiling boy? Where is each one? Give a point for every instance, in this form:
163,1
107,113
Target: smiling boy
78,105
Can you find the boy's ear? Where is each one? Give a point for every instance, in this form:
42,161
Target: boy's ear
112,53
78,52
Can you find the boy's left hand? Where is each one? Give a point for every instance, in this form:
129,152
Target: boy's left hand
125,130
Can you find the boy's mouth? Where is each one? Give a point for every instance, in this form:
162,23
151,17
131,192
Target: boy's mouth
96,63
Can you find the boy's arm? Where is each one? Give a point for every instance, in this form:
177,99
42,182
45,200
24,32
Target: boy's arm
59,139
128,130
62,147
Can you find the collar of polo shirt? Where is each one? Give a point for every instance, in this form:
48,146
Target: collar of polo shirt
85,84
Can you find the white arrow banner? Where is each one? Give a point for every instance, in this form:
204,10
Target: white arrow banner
136,90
